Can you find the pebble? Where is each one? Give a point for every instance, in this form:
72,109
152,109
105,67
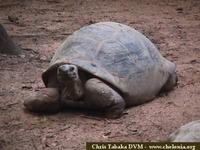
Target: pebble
22,56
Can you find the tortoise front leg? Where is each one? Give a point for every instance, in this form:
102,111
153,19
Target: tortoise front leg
100,96
45,100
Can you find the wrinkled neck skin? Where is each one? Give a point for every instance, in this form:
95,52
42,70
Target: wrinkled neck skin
72,90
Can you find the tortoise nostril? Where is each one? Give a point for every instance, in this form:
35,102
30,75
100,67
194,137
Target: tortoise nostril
59,69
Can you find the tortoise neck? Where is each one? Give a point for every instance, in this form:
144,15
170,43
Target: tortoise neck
72,90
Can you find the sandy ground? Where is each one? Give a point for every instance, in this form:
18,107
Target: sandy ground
41,26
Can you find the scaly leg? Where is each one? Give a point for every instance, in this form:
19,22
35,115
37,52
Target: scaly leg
45,100
100,96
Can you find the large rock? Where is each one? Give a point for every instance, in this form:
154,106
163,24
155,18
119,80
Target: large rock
187,133
6,44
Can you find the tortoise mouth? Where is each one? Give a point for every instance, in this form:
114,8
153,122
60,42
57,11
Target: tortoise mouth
66,76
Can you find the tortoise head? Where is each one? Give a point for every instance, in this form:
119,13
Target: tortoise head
67,72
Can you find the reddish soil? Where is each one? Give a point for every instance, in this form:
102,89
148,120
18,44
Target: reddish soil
39,27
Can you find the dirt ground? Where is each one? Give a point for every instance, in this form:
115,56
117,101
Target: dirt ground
39,27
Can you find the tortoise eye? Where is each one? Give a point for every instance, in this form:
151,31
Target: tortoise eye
71,69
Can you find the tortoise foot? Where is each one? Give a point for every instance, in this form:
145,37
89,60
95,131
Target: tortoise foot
46,100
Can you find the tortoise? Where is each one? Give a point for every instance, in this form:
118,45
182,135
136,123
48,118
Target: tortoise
189,132
105,66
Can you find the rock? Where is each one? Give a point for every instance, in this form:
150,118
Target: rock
187,133
43,58
13,19
6,44
22,56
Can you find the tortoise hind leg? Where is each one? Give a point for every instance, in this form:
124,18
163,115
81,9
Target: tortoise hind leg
101,96
171,82
46,100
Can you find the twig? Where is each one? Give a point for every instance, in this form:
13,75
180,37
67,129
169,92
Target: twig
34,145
66,33
8,69
11,104
30,49
28,35
9,5
38,35
91,117
29,81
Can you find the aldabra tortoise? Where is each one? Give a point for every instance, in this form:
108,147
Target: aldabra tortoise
105,66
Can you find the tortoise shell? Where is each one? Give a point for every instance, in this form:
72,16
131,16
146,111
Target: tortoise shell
119,55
